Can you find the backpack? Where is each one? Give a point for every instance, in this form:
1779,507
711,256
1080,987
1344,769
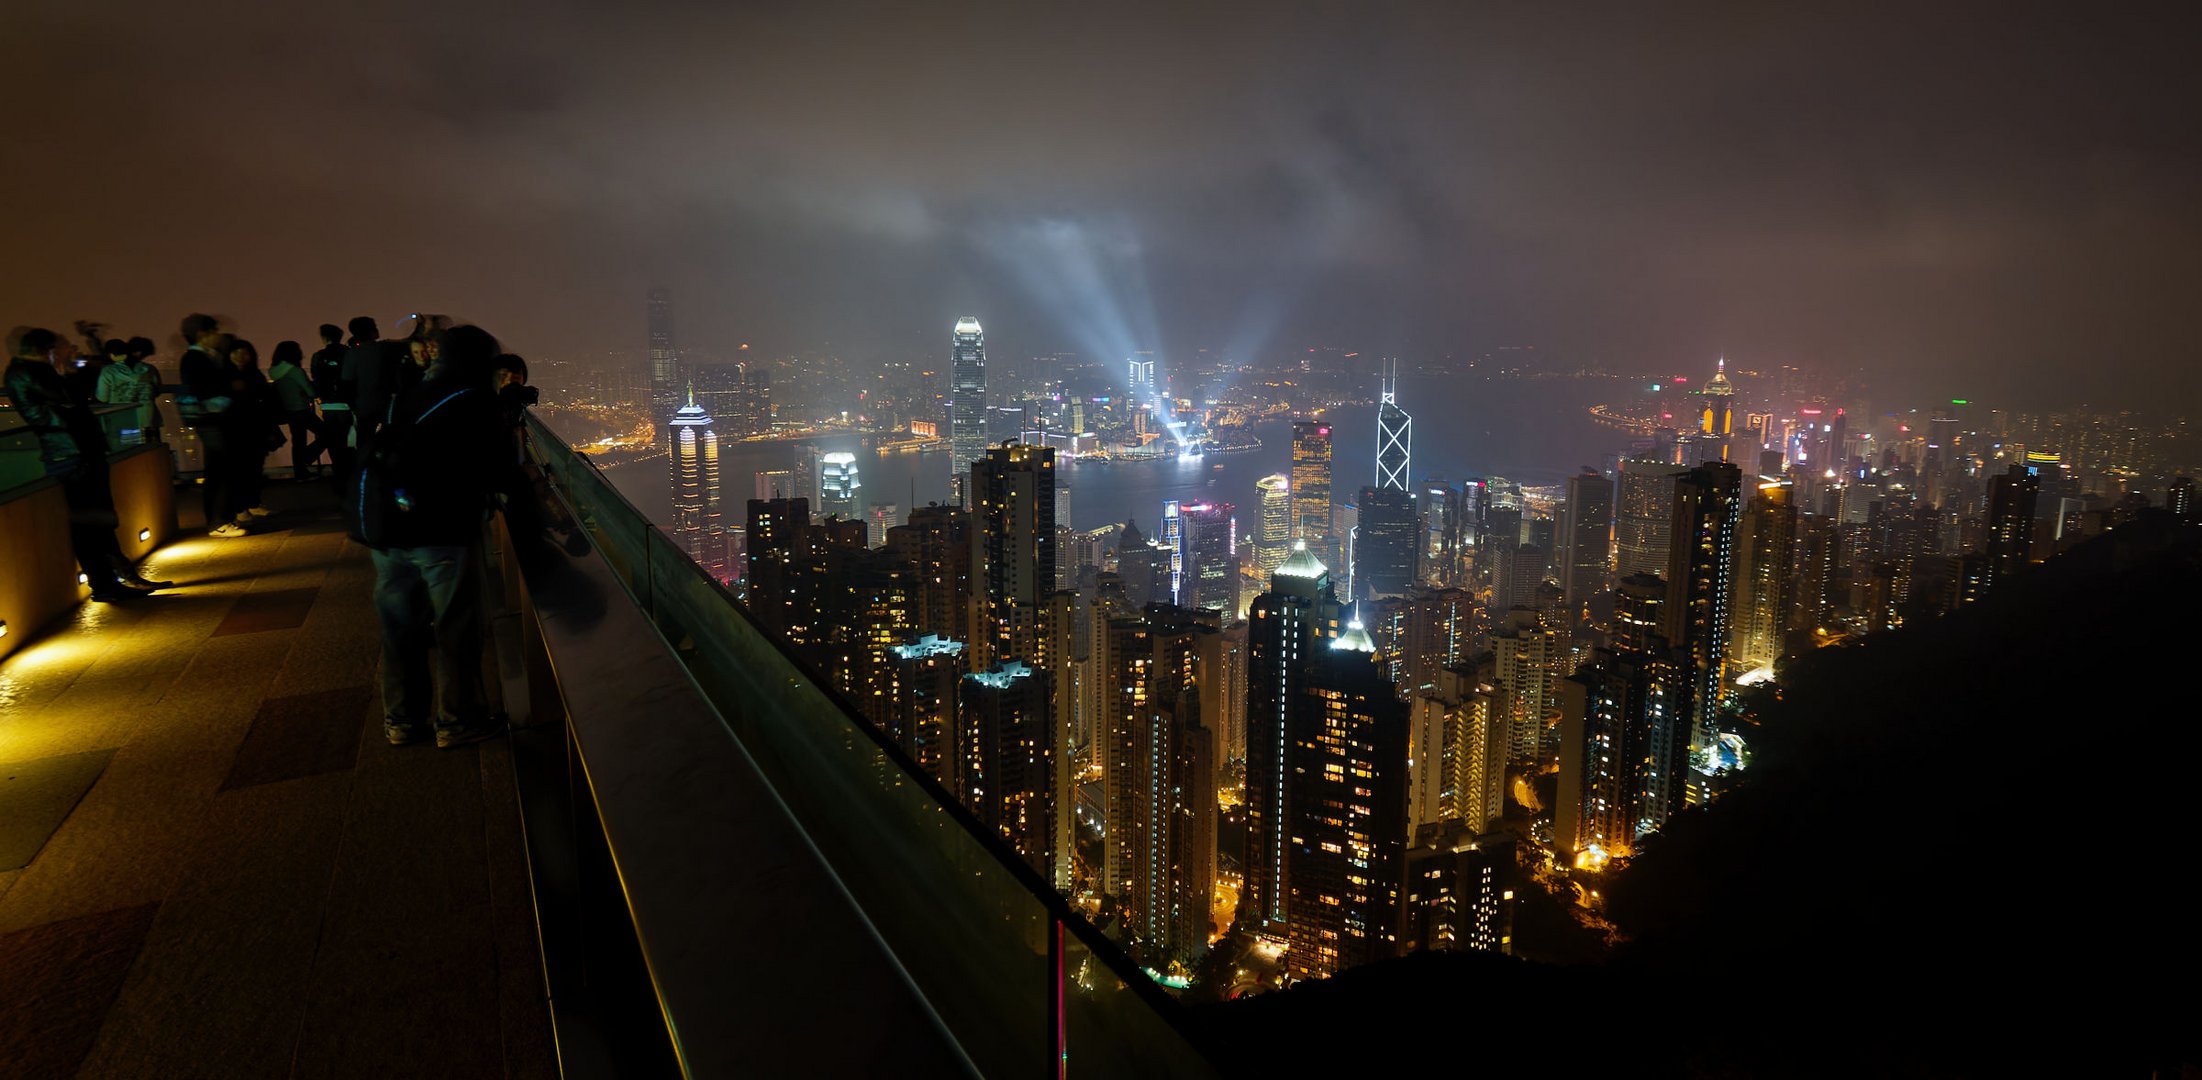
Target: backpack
391,472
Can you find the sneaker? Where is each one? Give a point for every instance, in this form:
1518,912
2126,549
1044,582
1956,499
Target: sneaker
260,511
469,733
401,733
229,528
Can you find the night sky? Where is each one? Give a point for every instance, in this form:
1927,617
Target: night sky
2000,201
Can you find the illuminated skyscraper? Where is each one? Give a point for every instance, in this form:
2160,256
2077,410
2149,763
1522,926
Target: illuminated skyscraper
966,403
1022,616
1346,811
840,492
1394,438
1440,546
1211,546
1006,753
1718,422
665,374
1644,519
1161,678
1528,657
1173,546
1141,378
1276,536
1311,485
1012,550
1701,567
1765,554
1586,565
2010,541
1624,733
1288,625
699,527
913,700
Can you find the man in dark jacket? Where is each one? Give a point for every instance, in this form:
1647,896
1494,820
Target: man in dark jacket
377,372
441,455
326,371
210,407
74,451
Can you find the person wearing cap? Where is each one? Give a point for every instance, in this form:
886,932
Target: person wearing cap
129,380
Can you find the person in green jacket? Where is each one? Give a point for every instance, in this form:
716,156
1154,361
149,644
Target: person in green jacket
294,399
129,380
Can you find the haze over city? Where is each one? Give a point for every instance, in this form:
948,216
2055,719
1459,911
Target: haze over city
1967,199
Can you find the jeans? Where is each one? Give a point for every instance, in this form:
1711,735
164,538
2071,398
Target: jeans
430,597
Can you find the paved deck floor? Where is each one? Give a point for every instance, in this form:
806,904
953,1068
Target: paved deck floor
230,873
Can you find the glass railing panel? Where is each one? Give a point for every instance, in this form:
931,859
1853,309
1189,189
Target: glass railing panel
974,934
19,460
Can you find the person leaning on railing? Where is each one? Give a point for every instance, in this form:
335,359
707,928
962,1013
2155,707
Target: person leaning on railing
74,451
129,380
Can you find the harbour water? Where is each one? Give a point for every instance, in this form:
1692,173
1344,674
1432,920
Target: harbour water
1531,431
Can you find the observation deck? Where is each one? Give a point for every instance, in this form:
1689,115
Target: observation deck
687,858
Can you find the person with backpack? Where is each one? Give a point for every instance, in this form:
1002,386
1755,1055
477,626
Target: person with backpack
419,504
326,371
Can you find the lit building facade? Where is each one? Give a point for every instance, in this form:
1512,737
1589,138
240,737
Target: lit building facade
840,490
1311,518
1345,812
1765,558
1385,545
966,402
1275,541
1287,627
699,525
1701,568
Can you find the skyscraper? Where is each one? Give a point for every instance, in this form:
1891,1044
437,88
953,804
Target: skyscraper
1586,567
1012,550
1007,756
1311,486
1211,545
1385,548
1021,614
1701,566
1624,733
2010,542
1275,541
1644,519
1527,662
1346,770
840,492
699,527
1160,748
1440,547
1717,423
966,402
665,374
1765,554
1288,625
1394,438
